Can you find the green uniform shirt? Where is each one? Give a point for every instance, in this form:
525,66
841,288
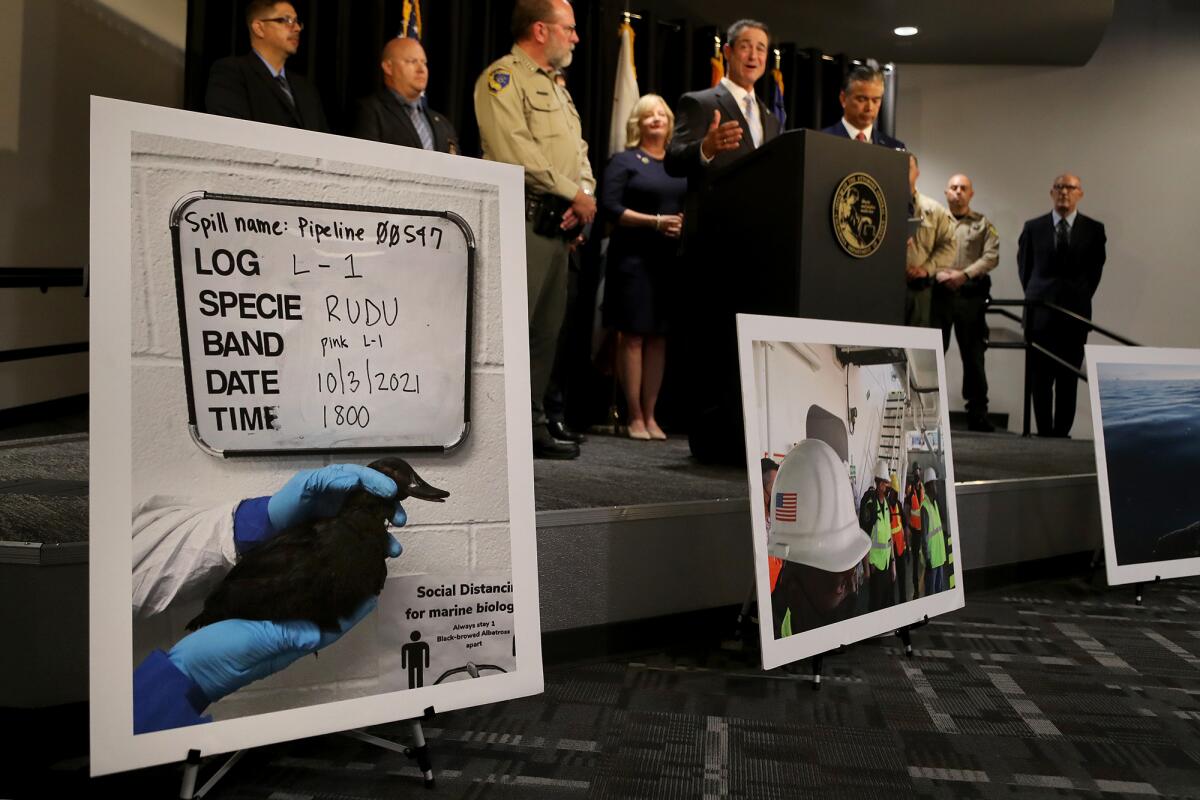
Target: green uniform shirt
526,119
880,554
935,539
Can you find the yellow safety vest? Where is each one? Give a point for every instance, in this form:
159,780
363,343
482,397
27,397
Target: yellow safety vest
881,537
935,541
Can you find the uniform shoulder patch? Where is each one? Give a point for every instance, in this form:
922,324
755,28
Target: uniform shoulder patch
498,80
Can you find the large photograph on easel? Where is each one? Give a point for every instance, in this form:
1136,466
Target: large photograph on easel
1146,419
312,495
851,481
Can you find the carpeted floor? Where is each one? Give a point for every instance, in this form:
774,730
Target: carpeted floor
1051,689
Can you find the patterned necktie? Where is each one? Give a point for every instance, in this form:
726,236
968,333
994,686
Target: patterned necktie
287,89
1062,237
421,124
862,137
755,136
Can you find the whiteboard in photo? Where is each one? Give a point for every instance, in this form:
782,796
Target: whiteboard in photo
323,327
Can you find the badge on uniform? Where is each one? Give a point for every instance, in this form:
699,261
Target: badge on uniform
498,80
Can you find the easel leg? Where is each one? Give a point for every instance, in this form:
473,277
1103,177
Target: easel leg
816,669
420,752
906,638
191,768
739,629
1096,556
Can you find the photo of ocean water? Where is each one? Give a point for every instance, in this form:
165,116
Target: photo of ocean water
1151,418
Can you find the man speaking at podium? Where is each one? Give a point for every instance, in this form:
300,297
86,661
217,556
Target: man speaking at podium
717,126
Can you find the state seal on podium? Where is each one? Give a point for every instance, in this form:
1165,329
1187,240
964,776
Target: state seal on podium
859,214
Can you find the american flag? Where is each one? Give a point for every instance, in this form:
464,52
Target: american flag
785,506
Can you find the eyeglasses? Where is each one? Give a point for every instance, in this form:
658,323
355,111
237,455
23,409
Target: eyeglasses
414,61
570,29
1065,187
291,22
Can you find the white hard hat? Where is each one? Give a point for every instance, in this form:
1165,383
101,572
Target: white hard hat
881,471
930,475
812,510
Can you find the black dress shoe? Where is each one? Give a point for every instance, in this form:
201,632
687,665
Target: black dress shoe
559,430
546,446
981,425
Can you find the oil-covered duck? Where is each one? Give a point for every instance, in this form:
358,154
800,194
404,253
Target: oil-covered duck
323,569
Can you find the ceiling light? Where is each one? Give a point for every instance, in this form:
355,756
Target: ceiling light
905,30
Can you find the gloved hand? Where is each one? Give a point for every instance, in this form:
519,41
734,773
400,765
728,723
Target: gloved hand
227,655
314,493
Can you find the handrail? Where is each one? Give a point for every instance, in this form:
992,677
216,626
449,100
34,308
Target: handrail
41,278
997,307
1067,312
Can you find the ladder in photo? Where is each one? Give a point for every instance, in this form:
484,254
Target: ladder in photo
891,431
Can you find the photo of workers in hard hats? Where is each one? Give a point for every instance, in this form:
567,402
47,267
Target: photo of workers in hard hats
846,430
1146,415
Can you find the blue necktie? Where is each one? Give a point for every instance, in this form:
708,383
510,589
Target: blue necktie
421,124
287,89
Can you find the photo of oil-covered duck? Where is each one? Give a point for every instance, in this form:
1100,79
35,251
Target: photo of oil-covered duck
320,570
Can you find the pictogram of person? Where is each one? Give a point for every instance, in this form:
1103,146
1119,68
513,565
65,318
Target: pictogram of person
415,656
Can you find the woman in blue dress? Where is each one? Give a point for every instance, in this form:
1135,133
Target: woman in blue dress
646,207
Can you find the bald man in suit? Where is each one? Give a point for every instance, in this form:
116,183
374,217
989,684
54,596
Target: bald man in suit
397,113
1060,257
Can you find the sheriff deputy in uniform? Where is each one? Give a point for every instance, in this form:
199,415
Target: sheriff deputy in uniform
526,118
960,296
930,250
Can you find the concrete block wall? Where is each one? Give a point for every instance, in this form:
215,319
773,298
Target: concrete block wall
468,532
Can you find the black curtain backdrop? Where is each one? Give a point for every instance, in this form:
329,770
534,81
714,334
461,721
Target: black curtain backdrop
339,53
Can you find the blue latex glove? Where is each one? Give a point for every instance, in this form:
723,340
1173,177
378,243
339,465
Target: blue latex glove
227,655
314,493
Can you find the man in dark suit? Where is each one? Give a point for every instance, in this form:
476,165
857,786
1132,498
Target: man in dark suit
717,126
256,86
397,113
1059,259
861,97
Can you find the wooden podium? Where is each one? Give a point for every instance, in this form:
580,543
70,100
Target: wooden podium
766,242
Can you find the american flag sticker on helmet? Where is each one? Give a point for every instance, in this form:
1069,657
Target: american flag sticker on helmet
785,506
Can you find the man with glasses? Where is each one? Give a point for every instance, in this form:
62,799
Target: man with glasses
526,118
256,86
1059,259
397,113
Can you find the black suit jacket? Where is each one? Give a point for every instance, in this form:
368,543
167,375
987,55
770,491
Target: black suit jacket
693,115
382,118
1068,279
242,87
877,136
